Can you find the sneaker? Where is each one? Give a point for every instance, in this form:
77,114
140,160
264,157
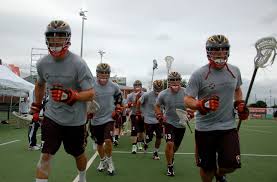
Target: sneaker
34,147
140,145
115,143
102,165
221,178
145,147
134,149
170,170
110,167
156,156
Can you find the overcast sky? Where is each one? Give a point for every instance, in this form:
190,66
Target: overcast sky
134,32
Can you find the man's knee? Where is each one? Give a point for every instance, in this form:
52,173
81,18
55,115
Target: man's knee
207,174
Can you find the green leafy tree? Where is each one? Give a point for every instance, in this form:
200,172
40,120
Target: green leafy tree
261,103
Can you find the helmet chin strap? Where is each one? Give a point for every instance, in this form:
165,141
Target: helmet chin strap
214,64
56,53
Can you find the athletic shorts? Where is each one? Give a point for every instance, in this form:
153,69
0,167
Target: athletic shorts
118,122
150,129
137,126
217,148
100,133
174,134
74,138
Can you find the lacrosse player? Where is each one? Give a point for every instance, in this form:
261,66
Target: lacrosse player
118,125
69,81
109,98
147,103
171,99
214,90
137,124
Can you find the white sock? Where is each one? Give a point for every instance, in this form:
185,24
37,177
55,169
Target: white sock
82,176
156,150
41,180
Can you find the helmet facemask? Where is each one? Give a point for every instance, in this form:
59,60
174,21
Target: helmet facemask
103,77
137,86
218,56
174,85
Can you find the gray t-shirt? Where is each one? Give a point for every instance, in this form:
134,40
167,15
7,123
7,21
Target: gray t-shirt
132,97
71,72
148,101
172,101
220,83
105,98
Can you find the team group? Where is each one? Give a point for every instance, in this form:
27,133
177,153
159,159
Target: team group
76,98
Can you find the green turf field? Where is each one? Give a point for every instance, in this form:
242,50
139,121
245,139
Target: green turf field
258,148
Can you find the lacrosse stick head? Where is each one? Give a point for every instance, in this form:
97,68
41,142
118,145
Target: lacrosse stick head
183,116
266,52
93,107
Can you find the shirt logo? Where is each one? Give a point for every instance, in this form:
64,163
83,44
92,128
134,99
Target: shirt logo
211,86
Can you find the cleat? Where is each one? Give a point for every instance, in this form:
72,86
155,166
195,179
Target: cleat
139,145
134,149
156,156
34,147
110,167
115,143
102,165
221,178
170,170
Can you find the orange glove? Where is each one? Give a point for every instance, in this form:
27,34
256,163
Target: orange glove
35,117
243,111
190,113
208,104
160,117
68,96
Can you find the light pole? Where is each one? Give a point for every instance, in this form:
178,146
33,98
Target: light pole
101,54
270,98
155,66
84,17
169,60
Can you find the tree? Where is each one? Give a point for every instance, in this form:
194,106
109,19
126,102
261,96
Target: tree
261,103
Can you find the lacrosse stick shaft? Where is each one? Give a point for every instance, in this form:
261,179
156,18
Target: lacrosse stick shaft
248,92
189,127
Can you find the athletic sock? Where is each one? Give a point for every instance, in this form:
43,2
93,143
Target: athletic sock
82,176
41,180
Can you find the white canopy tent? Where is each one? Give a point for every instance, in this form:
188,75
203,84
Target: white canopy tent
13,85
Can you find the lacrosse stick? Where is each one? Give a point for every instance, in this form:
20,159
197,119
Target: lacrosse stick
184,119
266,52
93,107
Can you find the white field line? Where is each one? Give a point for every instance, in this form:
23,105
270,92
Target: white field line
259,126
181,153
88,165
258,131
1,144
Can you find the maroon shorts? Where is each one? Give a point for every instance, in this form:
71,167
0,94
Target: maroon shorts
74,138
174,134
217,148
118,122
137,126
150,129
100,133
